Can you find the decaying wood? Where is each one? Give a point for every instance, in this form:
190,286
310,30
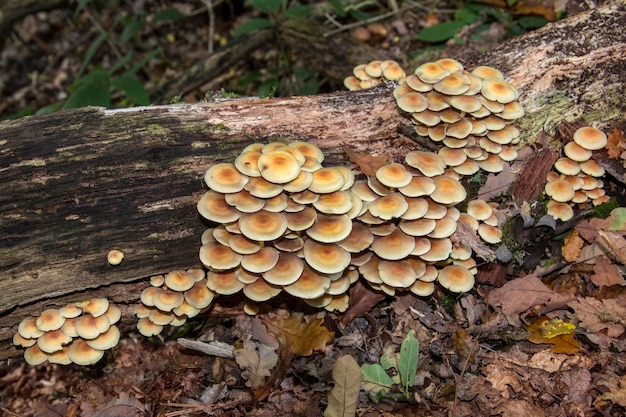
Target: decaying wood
78,183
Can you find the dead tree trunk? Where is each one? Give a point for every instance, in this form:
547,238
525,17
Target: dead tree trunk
76,184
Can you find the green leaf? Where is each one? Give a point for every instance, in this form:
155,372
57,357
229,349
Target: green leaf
619,219
252,25
297,10
532,22
268,87
91,51
466,15
389,360
267,6
440,32
375,378
409,356
337,5
91,90
132,88
170,14
344,397
131,29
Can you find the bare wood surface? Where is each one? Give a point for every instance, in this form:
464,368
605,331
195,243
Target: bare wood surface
78,183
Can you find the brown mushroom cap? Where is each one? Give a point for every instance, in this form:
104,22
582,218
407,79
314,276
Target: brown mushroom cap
261,261
566,166
592,168
106,340
412,102
359,239
576,152
261,290
310,285
301,220
590,138
398,274
148,328
330,228
70,311
167,300
212,206
49,320
498,90
179,280
89,327
479,209
244,202
490,234
440,250
35,356
456,278
559,190
560,211
222,282
327,180
216,256
397,245
53,341
286,271
428,163
263,225
243,245
326,258
225,178
448,190
417,208
278,167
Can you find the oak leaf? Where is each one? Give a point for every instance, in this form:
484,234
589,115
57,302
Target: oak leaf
572,246
606,273
596,316
256,360
497,184
300,337
616,143
617,393
556,332
519,295
368,164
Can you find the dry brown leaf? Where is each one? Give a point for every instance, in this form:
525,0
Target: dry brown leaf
519,295
617,393
616,143
497,184
596,316
298,336
572,246
368,164
614,244
606,273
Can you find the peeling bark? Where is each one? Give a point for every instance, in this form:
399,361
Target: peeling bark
76,184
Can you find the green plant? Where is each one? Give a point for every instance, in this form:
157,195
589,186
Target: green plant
393,378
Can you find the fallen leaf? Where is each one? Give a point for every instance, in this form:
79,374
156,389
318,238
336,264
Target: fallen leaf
519,295
572,246
300,337
344,397
606,273
616,143
256,360
407,362
596,316
614,244
368,164
556,332
497,184
375,379
617,394
618,220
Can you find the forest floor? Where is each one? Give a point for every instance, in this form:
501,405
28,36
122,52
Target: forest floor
541,334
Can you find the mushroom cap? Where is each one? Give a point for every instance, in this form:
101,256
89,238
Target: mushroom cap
496,89
508,153
560,211
113,313
244,202
278,167
223,282
327,180
34,356
179,280
359,239
247,163
82,354
418,227
262,188
418,186
453,84
60,357
412,82
243,245
427,117
459,129
70,311
261,261
468,104
308,150
148,328
397,245
391,206
575,152
393,71
560,190
469,167
486,72
330,228
590,138
417,208
216,256
89,327
490,234
338,202
450,64
592,168
49,320
412,102
479,209
444,227
393,175
435,210
511,111
106,340
19,340
261,290
167,300
339,285
448,190
251,308
440,250
398,274
310,285
212,206
326,258
428,163
115,257
431,72
185,309
422,288
493,163
225,178
263,225
53,341
286,271
300,183
456,278
301,220
566,166
437,101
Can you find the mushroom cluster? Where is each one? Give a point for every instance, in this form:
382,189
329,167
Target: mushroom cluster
469,113
576,180
370,75
171,299
77,333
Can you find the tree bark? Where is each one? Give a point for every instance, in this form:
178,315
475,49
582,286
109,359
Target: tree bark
76,184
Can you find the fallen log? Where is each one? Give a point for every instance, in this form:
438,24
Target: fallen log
78,183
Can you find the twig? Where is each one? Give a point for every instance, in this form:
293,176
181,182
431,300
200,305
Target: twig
11,413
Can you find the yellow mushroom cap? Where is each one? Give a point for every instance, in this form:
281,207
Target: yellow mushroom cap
397,245
452,157
89,327
391,206
53,341
148,328
325,258
417,208
490,234
60,357
300,183
261,188
444,227
261,261
431,72
359,239
199,296
493,163
34,356
412,82
28,328
418,227
212,206
286,271
456,278
511,111
560,190
592,168
225,178
179,280
448,190
115,257
450,64
337,202
393,175
422,288
486,72
308,150
216,256
576,152
147,296
263,225
330,228
560,211
106,340
244,202
398,274
167,300
419,186
113,313
566,166
327,180
278,167
185,309
243,245
261,290
440,250
94,306
310,285
247,163
49,320
301,220
339,285
412,102
590,138
459,129
428,163
499,90
82,354
392,71
70,311
479,209
454,84
223,282
19,340
466,103
437,101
